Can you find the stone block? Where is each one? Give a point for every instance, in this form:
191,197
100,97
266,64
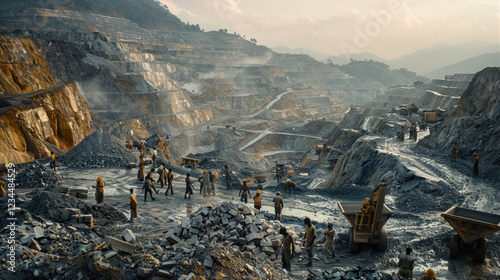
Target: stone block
38,232
128,236
204,211
252,237
208,263
119,245
225,221
164,273
173,239
233,212
186,223
144,273
27,239
168,264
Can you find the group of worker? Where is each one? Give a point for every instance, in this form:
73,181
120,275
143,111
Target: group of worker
289,184
288,243
413,132
406,263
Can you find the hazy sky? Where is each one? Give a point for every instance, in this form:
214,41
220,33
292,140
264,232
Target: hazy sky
387,28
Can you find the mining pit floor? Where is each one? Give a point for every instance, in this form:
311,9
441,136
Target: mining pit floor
424,230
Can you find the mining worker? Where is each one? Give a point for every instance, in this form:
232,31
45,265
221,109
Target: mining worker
211,176
155,156
310,238
140,174
329,246
227,173
278,206
200,180
52,161
133,205
189,187
402,134
406,264
476,165
2,189
206,183
257,200
278,175
454,152
130,145
429,275
99,190
170,180
148,188
412,130
288,185
244,192
287,249
415,132
150,177
161,177
142,148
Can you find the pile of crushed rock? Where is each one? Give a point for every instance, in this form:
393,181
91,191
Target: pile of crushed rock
353,273
100,149
37,175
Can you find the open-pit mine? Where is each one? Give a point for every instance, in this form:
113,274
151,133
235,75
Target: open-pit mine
104,95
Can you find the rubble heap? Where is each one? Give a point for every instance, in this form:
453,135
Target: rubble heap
230,225
37,175
338,273
99,150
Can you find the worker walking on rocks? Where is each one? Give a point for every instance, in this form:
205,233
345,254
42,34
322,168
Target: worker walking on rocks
244,192
329,246
133,205
257,200
206,183
211,176
278,206
99,190
310,238
150,177
454,152
406,264
52,161
429,275
155,156
402,134
288,185
476,165
161,177
189,187
140,175
227,173
287,249
170,180
142,148
148,188
278,175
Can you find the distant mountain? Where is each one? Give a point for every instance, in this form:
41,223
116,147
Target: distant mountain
471,65
346,58
439,56
319,56
146,13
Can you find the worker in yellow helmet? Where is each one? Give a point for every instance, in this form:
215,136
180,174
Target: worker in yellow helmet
429,275
99,192
278,175
257,200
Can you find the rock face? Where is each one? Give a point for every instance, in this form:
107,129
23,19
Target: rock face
57,117
474,122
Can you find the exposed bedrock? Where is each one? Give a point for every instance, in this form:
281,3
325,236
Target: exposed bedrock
474,122
364,165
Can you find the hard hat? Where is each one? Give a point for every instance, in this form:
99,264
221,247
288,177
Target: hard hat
278,168
258,191
474,153
205,171
99,178
430,273
278,193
